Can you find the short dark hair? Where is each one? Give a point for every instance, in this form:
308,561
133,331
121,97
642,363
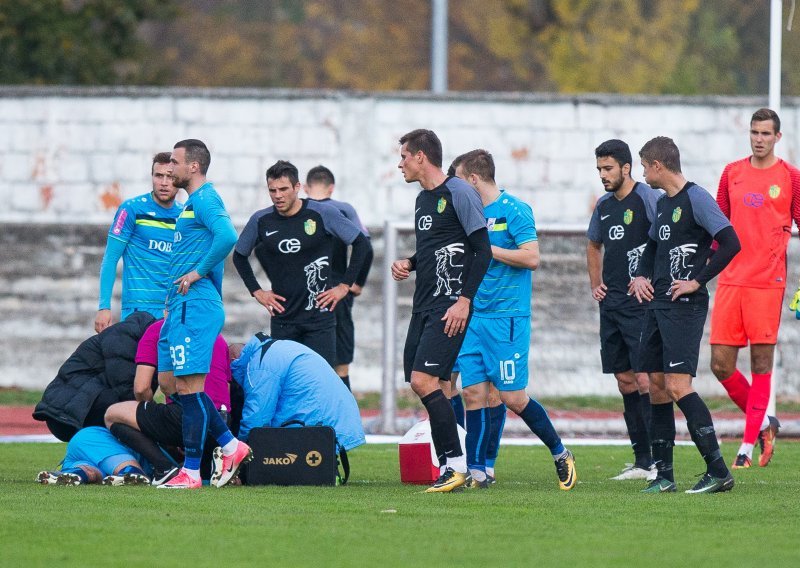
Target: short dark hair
478,162
320,174
160,158
616,149
767,114
664,150
196,151
427,142
282,168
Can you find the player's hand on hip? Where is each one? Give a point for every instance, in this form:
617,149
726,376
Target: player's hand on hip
599,292
186,281
683,287
356,290
642,289
270,300
456,317
332,296
102,320
401,269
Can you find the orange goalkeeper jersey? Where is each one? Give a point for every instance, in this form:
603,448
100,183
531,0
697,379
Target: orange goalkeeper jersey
760,204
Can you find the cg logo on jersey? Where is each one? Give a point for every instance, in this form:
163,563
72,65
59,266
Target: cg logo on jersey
754,200
664,232
288,246
425,222
616,232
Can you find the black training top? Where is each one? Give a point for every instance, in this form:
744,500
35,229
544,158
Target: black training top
683,231
339,255
443,219
622,226
295,252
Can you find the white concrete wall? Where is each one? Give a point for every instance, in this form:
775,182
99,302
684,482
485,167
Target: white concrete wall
67,156
70,155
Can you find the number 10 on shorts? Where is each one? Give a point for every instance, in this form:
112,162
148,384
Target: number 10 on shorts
508,371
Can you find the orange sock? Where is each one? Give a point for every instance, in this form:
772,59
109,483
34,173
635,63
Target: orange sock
757,402
738,389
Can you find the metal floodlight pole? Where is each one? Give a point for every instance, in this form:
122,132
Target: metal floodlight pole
775,46
439,46
775,43
388,423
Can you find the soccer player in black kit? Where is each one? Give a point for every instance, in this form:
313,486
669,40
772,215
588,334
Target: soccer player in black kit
453,253
319,187
293,241
678,262
617,236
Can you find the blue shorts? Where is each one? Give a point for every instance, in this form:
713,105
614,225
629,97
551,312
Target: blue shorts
187,338
496,350
96,447
155,311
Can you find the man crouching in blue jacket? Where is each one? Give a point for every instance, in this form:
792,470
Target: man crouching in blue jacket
284,380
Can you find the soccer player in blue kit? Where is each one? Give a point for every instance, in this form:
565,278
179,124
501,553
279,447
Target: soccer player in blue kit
204,235
94,455
673,272
495,349
141,235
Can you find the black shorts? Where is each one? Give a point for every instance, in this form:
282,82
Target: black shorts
428,349
319,338
620,334
162,423
345,331
671,339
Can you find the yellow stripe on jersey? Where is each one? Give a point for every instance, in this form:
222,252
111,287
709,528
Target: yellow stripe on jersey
157,224
186,214
499,227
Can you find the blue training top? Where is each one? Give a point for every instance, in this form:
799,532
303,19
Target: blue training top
289,381
505,291
204,235
142,235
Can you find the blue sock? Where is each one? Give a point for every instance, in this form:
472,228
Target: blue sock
458,408
195,425
535,416
131,469
216,425
497,420
477,438
79,472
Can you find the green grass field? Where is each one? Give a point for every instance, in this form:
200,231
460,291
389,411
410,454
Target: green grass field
524,520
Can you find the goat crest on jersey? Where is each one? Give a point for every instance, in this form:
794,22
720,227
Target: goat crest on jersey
440,219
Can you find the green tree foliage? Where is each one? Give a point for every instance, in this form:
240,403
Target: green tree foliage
74,42
570,46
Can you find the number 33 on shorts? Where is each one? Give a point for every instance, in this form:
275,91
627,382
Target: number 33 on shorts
178,356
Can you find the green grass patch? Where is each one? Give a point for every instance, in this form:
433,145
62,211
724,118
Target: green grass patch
19,397
524,520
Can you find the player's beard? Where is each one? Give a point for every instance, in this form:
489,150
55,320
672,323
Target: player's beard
614,185
180,183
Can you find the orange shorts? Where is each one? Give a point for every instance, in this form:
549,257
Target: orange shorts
741,315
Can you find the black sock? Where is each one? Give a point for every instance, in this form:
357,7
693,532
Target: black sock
645,411
346,381
701,429
140,443
637,431
663,439
444,431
